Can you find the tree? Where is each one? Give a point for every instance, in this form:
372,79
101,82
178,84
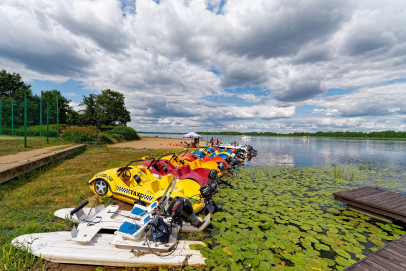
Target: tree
111,109
88,116
10,84
63,105
107,108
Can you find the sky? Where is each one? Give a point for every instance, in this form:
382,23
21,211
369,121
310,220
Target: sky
219,65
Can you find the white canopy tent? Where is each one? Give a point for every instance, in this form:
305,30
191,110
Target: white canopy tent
192,135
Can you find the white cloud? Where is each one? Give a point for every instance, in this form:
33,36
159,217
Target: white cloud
162,57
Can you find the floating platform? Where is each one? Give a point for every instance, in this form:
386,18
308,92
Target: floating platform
391,257
378,203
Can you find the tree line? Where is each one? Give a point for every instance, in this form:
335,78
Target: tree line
105,109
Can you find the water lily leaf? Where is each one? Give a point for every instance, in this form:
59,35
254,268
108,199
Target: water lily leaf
227,250
327,240
234,248
210,262
249,254
299,258
311,252
254,262
220,268
311,239
237,256
197,246
322,247
342,253
236,267
252,246
342,261
306,227
264,266
376,241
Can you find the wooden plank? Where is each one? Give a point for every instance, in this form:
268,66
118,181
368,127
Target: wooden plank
390,257
387,262
362,267
375,210
383,202
375,265
371,214
372,195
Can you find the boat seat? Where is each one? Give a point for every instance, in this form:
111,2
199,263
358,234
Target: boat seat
134,230
185,170
140,210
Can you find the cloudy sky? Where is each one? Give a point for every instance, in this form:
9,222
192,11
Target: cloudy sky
183,65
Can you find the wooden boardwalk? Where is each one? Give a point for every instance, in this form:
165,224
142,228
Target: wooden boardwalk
391,257
375,200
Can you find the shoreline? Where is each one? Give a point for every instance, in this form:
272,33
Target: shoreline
156,143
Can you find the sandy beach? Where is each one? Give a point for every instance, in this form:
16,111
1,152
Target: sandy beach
156,143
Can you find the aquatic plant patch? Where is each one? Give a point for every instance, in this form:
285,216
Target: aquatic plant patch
287,219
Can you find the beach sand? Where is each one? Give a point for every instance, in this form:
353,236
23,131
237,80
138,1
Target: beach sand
155,143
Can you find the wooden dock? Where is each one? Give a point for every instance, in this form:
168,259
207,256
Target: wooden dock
391,205
375,200
391,257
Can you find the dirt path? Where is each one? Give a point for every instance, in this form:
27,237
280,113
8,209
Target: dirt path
26,155
155,143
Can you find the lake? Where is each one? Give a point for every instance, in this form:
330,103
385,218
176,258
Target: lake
296,152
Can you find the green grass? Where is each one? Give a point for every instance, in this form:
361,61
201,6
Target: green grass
14,144
56,186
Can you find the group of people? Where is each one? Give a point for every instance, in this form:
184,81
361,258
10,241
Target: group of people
214,143
194,144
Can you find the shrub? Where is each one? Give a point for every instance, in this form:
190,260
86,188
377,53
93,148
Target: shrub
34,130
81,134
118,137
106,138
128,133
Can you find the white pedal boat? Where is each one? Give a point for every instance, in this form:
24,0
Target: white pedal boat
58,247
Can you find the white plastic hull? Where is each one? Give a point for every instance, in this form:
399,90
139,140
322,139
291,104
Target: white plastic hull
58,247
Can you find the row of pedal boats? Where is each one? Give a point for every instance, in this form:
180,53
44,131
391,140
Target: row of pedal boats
168,195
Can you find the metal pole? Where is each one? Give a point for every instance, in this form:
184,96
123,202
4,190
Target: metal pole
40,116
25,120
47,122
1,118
57,117
12,117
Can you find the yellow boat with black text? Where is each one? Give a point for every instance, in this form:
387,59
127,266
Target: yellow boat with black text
136,184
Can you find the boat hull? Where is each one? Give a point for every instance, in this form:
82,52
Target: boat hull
58,247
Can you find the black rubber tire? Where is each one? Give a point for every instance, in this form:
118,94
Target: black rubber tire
101,187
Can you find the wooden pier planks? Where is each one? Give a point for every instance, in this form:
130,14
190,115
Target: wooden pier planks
391,257
376,200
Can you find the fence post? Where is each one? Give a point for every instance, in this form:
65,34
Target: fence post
12,117
25,120
48,122
1,118
57,117
40,115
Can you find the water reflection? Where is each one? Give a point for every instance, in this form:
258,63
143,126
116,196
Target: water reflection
294,151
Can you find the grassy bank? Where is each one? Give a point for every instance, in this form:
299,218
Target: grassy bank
14,144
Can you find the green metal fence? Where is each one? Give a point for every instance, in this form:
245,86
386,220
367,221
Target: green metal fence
26,118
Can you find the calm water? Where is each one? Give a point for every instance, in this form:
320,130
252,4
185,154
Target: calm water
294,151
